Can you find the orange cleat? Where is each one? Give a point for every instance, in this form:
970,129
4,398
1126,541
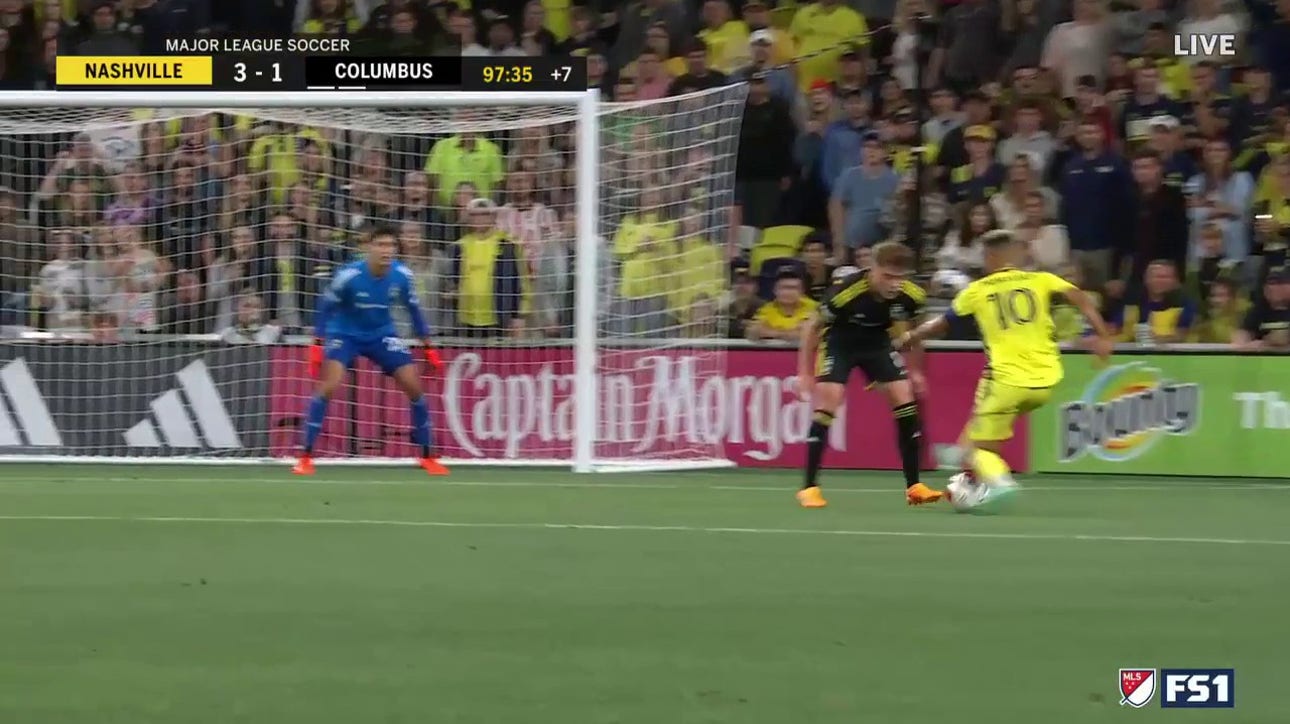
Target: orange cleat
432,466
919,494
304,466
811,497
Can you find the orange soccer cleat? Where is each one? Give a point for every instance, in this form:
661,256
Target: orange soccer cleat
811,497
919,494
432,466
304,466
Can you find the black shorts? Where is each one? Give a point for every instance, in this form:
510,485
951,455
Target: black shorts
836,358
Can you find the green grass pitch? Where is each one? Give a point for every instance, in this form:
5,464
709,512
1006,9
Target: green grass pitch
215,595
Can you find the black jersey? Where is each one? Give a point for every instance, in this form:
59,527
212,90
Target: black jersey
854,313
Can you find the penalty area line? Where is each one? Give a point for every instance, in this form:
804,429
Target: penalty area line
962,535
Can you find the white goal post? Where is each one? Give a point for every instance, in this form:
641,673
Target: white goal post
609,370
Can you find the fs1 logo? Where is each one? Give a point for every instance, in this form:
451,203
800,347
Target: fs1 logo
1198,688
1179,688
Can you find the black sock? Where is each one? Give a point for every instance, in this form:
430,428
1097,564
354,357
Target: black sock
909,439
816,440
425,451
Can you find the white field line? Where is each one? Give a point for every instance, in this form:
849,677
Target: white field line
789,486
646,529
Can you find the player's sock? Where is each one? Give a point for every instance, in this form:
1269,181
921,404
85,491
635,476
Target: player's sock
314,421
816,440
421,425
990,467
909,438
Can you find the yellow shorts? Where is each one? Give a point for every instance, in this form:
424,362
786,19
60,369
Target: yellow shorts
998,405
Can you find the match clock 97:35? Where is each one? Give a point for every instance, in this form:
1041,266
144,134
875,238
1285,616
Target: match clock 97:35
517,74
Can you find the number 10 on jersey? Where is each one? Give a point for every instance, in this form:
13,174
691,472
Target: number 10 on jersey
1014,307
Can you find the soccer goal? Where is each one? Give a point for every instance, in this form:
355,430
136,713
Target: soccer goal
162,253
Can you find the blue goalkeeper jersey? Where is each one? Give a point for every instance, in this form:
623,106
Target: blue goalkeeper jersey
358,304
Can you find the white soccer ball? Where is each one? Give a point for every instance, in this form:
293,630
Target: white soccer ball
963,492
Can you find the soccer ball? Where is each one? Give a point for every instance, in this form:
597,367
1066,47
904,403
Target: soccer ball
963,492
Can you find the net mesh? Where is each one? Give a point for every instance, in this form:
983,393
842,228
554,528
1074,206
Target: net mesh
159,264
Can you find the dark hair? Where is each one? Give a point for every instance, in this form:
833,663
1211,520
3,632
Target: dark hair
788,273
812,240
966,234
382,230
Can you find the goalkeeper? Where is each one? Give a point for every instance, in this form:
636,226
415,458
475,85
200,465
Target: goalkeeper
353,319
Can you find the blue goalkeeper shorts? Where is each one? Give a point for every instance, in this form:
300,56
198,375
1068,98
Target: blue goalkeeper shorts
388,353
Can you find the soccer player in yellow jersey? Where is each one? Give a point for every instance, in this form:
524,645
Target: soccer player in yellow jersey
1013,310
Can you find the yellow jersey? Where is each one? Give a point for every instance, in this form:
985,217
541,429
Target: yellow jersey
1013,310
781,320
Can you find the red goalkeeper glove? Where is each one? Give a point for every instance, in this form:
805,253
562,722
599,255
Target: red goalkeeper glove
432,358
316,358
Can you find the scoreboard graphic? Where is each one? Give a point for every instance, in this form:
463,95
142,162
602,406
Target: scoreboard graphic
281,66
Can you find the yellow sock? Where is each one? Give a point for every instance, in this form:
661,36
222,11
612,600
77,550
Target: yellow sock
990,467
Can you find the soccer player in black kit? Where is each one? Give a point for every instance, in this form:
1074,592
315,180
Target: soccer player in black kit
853,331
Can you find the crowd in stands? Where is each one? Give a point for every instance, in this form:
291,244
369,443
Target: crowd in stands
1158,181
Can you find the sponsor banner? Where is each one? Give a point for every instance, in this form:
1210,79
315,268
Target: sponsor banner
517,404
1186,414
139,400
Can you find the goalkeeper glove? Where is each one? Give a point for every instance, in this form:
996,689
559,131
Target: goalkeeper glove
316,358
432,358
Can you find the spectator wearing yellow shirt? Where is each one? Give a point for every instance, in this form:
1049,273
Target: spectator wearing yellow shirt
645,288
485,278
1272,214
274,158
698,270
558,17
1162,314
1157,49
820,30
331,17
466,157
903,138
726,38
1224,312
647,224
783,317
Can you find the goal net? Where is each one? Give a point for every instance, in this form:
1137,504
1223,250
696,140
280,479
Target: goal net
161,258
